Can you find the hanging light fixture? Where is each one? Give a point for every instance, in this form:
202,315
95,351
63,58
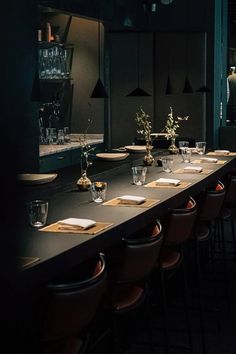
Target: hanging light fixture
138,92
187,86
99,90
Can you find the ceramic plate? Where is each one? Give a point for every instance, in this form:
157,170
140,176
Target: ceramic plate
136,148
112,156
36,178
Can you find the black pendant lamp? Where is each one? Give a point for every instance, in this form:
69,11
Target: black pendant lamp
99,90
168,84
187,86
138,91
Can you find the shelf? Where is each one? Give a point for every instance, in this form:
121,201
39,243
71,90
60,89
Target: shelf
45,44
56,80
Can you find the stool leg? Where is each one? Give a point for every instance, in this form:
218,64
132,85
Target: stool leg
187,305
199,279
225,268
164,312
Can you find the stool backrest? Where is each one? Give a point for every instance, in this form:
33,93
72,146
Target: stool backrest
180,223
213,202
231,191
139,256
71,306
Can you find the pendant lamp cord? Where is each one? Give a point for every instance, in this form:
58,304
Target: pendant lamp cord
138,58
99,49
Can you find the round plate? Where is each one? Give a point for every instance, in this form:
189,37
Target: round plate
112,156
36,178
136,148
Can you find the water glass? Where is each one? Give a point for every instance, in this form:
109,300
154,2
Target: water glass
38,212
201,147
186,154
167,163
139,175
98,191
182,144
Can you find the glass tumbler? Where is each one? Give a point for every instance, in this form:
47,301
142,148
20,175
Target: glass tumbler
98,191
37,212
201,147
139,175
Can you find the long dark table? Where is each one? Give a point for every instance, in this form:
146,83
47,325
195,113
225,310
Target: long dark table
58,252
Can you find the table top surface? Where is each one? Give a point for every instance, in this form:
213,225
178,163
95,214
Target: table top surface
57,252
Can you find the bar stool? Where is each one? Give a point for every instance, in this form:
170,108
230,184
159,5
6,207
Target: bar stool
179,228
207,230
130,266
72,303
228,213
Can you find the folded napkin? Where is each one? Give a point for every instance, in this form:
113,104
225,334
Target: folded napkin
208,159
131,199
192,169
167,182
76,224
222,152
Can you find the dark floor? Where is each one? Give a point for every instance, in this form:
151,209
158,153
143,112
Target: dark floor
219,312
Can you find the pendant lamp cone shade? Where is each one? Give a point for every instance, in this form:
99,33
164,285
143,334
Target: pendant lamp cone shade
204,89
99,90
138,92
187,86
168,86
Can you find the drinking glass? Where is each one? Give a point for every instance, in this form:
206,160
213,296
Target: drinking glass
182,144
38,212
98,191
139,175
167,163
186,154
201,147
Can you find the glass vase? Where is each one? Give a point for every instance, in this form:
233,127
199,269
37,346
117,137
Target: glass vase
148,159
173,148
84,183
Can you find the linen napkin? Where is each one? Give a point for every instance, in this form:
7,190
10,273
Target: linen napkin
131,199
167,182
222,152
192,169
209,159
76,224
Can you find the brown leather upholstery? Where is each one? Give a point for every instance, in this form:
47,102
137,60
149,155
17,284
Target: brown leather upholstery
180,223
231,191
72,305
213,202
131,264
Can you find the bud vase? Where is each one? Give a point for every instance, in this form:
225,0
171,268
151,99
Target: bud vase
84,183
173,148
148,159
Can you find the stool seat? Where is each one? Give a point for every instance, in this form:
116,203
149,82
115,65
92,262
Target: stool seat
169,259
126,297
202,231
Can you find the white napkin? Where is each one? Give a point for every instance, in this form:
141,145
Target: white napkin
222,152
209,159
167,182
131,199
76,224
192,169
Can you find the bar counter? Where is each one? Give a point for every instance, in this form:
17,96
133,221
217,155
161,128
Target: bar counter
58,252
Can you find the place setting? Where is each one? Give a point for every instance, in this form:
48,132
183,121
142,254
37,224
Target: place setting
221,153
168,183
77,226
139,179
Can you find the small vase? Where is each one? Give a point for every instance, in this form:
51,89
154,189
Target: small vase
84,183
148,159
173,148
